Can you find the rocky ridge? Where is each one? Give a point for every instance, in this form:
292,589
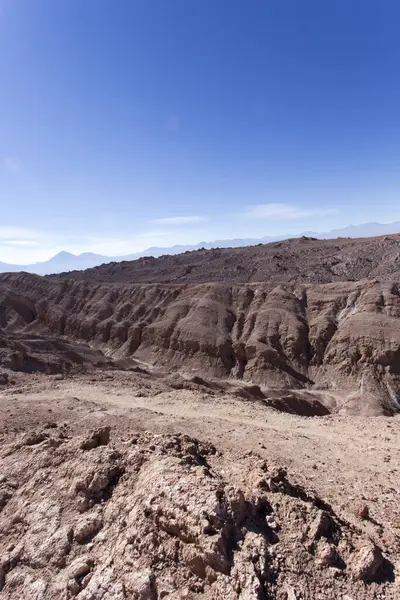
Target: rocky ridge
304,260
150,516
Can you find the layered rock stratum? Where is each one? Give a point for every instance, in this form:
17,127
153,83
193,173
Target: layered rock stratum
341,341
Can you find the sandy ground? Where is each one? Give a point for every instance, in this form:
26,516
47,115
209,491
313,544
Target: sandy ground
348,461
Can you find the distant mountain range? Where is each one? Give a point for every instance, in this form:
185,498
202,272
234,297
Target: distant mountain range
65,261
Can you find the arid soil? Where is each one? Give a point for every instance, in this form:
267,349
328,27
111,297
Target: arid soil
304,260
196,493
236,437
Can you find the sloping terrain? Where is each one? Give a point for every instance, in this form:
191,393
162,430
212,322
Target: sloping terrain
216,381
339,339
48,354
304,260
145,516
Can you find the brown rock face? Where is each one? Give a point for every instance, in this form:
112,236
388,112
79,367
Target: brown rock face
338,342
164,518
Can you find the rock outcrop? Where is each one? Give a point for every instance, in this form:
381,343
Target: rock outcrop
163,516
341,339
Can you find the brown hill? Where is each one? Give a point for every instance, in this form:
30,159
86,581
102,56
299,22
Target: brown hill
340,341
304,260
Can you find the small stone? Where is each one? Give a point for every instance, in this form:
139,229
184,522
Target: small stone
363,511
367,563
272,485
73,587
78,568
277,473
272,522
99,437
322,526
194,561
326,554
142,585
87,528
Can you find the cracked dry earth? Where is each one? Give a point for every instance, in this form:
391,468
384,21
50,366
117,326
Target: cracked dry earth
110,491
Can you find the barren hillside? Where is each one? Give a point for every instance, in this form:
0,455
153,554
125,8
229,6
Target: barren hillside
332,339
253,397
304,260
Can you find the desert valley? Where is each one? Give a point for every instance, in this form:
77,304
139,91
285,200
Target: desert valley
221,424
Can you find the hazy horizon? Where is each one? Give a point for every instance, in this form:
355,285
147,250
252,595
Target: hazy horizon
358,230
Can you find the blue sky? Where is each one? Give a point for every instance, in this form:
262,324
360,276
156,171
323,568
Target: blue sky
131,123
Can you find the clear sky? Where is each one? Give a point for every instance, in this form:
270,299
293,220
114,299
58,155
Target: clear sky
131,123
